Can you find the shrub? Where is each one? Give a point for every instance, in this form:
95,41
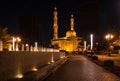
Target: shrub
108,63
95,57
88,55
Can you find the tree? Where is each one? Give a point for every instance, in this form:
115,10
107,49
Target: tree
5,38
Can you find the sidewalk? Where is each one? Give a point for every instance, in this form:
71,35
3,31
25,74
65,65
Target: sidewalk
78,68
114,57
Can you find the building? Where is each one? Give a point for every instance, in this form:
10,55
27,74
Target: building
68,43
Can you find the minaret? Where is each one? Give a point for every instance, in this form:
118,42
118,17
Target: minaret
55,25
71,22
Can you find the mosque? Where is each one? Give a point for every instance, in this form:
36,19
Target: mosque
68,43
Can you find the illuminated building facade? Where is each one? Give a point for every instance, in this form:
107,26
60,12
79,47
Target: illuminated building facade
70,42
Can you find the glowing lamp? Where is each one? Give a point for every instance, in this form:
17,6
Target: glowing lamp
34,69
19,76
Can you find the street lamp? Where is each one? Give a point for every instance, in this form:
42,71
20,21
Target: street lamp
85,47
109,37
15,43
27,47
17,40
91,42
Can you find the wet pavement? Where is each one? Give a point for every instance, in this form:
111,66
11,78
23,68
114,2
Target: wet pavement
79,68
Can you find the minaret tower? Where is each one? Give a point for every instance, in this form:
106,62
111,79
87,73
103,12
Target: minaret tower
55,25
72,22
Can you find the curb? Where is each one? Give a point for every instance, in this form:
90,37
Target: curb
55,66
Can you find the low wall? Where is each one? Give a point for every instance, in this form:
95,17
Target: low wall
13,63
119,52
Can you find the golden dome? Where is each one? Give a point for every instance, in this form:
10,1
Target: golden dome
71,33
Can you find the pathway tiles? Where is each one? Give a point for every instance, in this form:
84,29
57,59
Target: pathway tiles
79,68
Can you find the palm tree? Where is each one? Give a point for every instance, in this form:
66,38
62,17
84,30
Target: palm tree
5,38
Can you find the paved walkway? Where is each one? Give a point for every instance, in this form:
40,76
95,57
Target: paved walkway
114,57
78,68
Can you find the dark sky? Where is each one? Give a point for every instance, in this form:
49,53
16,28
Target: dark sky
91,16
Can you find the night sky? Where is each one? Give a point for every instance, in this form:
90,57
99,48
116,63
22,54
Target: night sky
91,16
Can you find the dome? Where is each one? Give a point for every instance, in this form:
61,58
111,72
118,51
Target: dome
71,33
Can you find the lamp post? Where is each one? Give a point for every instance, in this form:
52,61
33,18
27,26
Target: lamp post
27,47
85,47
91,42
109,37
15,43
